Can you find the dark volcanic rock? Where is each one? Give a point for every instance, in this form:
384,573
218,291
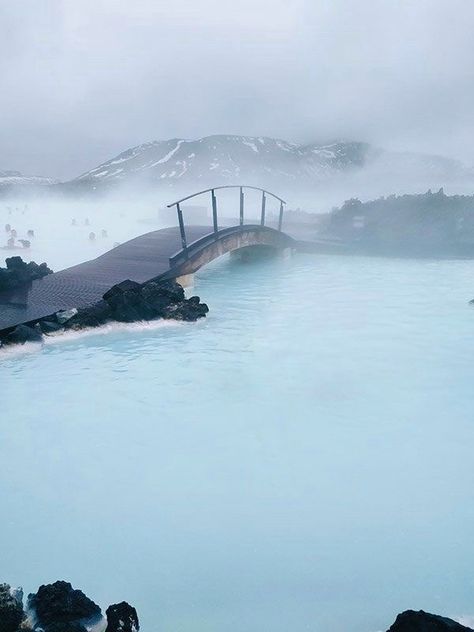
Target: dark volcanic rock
22,334
92,316
19,273
420,621
49,326
129,302
122,617
60,603
187,310
11,609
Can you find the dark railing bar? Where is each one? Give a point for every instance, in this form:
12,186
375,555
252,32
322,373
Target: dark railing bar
181,226
280,219
241,216
262,218
214,211
226,186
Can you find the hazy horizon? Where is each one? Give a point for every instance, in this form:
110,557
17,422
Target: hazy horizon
83,82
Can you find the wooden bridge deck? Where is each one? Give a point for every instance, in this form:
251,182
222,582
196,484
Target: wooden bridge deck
139,259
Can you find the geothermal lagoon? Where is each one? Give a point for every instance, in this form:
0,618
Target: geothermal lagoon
299,460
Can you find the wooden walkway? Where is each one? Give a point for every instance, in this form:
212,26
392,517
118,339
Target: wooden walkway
139,259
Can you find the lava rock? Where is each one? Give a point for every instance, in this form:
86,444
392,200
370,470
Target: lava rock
187,310
92,316
420,621
11,609
127,303
122,617
19,273
49,327
22,334
60,603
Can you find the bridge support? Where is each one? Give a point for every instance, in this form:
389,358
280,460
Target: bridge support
214,211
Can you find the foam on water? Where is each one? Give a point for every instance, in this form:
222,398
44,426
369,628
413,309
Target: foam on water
64,337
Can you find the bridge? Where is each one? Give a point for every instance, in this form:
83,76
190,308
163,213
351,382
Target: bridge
169,253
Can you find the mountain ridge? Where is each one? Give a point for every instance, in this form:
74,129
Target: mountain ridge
259,160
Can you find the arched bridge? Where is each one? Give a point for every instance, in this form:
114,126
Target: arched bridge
220,240
162,254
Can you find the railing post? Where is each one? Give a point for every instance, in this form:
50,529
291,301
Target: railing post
280,219
241,206
181,226
214,211
262,218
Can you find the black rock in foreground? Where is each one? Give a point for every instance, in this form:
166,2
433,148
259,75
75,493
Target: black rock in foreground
122,617
59,607
11,609
60,603
125,302
130,302
420,621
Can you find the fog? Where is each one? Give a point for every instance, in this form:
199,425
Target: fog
83,81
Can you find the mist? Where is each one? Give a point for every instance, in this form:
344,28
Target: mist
83,81
299,455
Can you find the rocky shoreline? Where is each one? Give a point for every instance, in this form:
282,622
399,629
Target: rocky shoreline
126,302
59,607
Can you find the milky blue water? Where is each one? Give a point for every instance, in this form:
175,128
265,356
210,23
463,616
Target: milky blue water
303,459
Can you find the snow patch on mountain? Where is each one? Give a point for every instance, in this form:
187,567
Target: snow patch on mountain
263,161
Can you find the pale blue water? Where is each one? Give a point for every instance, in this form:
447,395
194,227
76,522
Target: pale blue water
302,460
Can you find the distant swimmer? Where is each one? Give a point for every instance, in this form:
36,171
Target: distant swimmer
104,233
92,236
30,233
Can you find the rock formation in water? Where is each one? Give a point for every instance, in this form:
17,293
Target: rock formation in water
59,604
122,617
11,609
19,273
59,607
420,621
126,302
129,302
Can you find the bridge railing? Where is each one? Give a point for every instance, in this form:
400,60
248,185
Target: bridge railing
215,222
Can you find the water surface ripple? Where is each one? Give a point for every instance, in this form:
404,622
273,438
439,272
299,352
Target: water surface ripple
300,460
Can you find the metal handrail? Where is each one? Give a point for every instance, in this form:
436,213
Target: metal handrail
226,186
212,191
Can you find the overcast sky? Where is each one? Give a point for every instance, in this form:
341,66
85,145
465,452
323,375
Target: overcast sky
82,80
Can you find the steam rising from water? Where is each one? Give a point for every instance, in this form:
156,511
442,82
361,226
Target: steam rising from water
304,450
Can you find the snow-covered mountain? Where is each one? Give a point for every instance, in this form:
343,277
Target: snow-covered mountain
346,167
14,178
223,159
